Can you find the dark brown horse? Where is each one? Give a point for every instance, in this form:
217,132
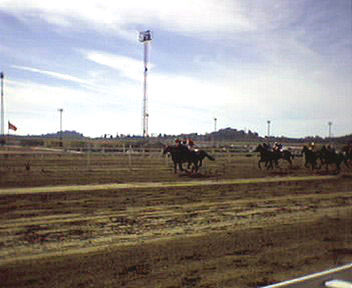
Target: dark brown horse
311,157
181,154
329,156
266,156
270,157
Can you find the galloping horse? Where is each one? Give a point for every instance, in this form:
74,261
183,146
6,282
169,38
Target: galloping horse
269,157
329,156
266,156
181,154
310,157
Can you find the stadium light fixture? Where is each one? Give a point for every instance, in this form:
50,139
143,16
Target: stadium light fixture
145,37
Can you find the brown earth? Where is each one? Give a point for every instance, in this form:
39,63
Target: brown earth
213,232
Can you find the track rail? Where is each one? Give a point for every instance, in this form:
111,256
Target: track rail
304,280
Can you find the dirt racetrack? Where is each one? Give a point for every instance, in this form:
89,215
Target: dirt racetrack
167,231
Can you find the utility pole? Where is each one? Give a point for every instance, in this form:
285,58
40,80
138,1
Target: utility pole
60,110
330,124
145,37
268,122
2,104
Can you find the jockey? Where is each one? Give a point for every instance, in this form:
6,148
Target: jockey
311,146
180,146
190,144
277,147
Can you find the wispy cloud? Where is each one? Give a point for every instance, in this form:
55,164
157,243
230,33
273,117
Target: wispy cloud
128,67
196,16
241,61
33,107
52,74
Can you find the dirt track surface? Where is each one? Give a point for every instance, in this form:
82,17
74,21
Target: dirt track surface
232,234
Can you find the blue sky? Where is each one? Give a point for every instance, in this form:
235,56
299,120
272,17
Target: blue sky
243,62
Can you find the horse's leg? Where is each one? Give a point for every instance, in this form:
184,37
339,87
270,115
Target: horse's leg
289,161
314,164
259,165
276,163
345,162
200,163
270,162
195,166
175,167
180,166
266,163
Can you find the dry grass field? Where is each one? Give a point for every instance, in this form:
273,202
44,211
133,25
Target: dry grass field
126,220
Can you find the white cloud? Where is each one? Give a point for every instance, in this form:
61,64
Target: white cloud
185,16
267,64
56,75
33,107
126,66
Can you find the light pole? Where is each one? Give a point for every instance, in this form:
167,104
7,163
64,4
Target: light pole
330,124
268,122
215,119
2,103
60,110
145,37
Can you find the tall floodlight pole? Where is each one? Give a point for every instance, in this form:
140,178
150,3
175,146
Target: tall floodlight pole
268,122
215,119
60,110
145,37
2,103
330,124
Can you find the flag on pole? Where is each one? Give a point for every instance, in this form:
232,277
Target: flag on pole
12,127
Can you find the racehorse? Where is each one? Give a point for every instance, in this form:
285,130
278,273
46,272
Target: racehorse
310,157
329,156
286,155
266,156
181,154
269,157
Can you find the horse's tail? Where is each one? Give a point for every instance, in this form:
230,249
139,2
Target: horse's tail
209,157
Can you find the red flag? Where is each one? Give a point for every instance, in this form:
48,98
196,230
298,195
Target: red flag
12,127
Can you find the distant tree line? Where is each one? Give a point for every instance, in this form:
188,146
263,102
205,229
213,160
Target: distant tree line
222,135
